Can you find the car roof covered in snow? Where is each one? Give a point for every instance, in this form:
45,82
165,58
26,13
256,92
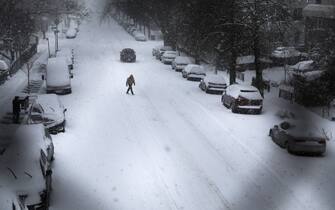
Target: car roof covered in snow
191,67
303,128
245,91
245,59
19,165
50,103
3,65
58,72
285,52
304,65
184,60
319,10
215,78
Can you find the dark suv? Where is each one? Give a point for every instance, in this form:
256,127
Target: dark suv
128,55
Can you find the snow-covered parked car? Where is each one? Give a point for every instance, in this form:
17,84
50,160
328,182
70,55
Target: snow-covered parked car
285,55
168,56
128,55
213,83
4,71
193,72
139,36
155,50
242,99
298,138
71,33
49,110
21,165
68,54
58,79
179,63
161,50
4,68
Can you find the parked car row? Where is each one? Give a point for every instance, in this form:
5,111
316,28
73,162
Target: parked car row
246,99
27,150
133,30
26,156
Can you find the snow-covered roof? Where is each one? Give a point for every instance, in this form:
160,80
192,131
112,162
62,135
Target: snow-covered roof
184,60
245,91
310,75
285,52
245,59
319,10
3,65
190,67
303,66
58,72
215,78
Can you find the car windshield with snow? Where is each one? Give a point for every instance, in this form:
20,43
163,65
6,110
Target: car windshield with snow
242,99
179,63
49,110
168,56
213,83
193,72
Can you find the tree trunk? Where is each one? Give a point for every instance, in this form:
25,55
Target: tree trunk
232,67
258,69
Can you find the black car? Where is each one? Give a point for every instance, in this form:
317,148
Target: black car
128,55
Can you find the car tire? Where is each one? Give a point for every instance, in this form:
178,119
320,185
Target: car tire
259,111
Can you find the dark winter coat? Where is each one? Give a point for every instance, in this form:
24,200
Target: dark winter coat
130,81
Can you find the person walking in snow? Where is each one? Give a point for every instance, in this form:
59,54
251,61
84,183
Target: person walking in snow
130,82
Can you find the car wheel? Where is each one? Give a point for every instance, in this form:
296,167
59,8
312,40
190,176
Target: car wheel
259,111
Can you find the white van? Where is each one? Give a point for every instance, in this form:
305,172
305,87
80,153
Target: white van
58,76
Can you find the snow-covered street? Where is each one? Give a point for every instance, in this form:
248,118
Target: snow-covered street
171,146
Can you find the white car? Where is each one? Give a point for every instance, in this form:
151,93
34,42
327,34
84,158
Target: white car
179,63
161,50
139,36
49,110
71,33
168,56
213,83
193,72
242,99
